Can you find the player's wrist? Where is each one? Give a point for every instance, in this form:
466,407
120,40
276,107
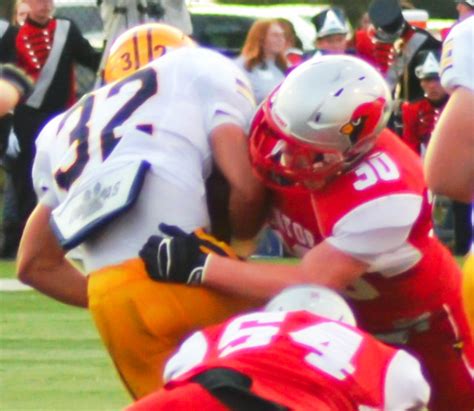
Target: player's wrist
18,79
205,268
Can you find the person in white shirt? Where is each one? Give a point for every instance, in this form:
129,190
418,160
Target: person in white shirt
263,56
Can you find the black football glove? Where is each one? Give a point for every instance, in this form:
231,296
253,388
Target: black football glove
181,257
18,79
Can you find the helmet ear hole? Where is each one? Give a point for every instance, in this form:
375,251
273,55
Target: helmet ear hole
139,46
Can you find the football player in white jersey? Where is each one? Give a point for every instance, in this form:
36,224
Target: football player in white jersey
125,158
449,165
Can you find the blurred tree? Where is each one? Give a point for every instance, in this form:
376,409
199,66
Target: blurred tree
355,9
439,9
6,9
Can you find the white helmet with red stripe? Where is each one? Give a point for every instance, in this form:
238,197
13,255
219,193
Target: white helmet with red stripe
324,116
313,298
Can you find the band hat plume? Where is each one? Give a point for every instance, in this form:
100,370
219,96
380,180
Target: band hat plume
429,65
330,21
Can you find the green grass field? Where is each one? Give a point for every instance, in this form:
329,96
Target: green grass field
51,357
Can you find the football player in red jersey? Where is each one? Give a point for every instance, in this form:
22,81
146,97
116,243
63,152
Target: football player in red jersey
323,131
303,352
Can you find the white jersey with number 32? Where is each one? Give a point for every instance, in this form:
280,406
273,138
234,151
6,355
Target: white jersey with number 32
457,60
163,114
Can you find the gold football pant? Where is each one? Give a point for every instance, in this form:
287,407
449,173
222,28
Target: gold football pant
141,322
468,289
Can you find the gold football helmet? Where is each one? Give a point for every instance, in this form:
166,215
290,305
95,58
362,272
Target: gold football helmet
140,45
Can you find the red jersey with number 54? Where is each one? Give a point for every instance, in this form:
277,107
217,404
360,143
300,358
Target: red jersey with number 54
304,362
380,213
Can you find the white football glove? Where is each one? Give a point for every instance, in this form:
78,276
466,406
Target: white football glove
13,147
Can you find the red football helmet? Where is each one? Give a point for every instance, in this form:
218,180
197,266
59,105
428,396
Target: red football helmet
324,116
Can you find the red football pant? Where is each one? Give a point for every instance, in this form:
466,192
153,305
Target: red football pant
446,352
190,396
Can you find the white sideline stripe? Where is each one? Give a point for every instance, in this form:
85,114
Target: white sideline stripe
13,285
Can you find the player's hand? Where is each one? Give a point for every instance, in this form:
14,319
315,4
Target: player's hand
17,78
181,257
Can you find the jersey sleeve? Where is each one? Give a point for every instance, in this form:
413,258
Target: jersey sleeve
409,118
190,354
228,95
457,60
405,387
377,231
42,172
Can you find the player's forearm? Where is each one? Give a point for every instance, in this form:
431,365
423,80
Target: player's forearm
41,262
251,279
247,212
62,282
323,265
9,97
449,163
14,86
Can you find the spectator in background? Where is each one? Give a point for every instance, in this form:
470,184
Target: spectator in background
294,46
263,56
292,39
332,29
391,46
464,8
419,117
20,12
46,49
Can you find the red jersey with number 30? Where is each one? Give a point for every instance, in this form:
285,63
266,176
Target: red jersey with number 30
380,213
292,217
304,362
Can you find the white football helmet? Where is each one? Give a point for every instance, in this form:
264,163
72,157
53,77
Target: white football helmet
313,298
323,117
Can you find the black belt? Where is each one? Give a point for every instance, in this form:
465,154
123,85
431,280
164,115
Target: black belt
232,389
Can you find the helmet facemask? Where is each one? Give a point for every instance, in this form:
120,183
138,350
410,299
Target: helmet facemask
285,161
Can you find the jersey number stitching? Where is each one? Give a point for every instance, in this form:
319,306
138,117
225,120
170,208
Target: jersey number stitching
80,136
